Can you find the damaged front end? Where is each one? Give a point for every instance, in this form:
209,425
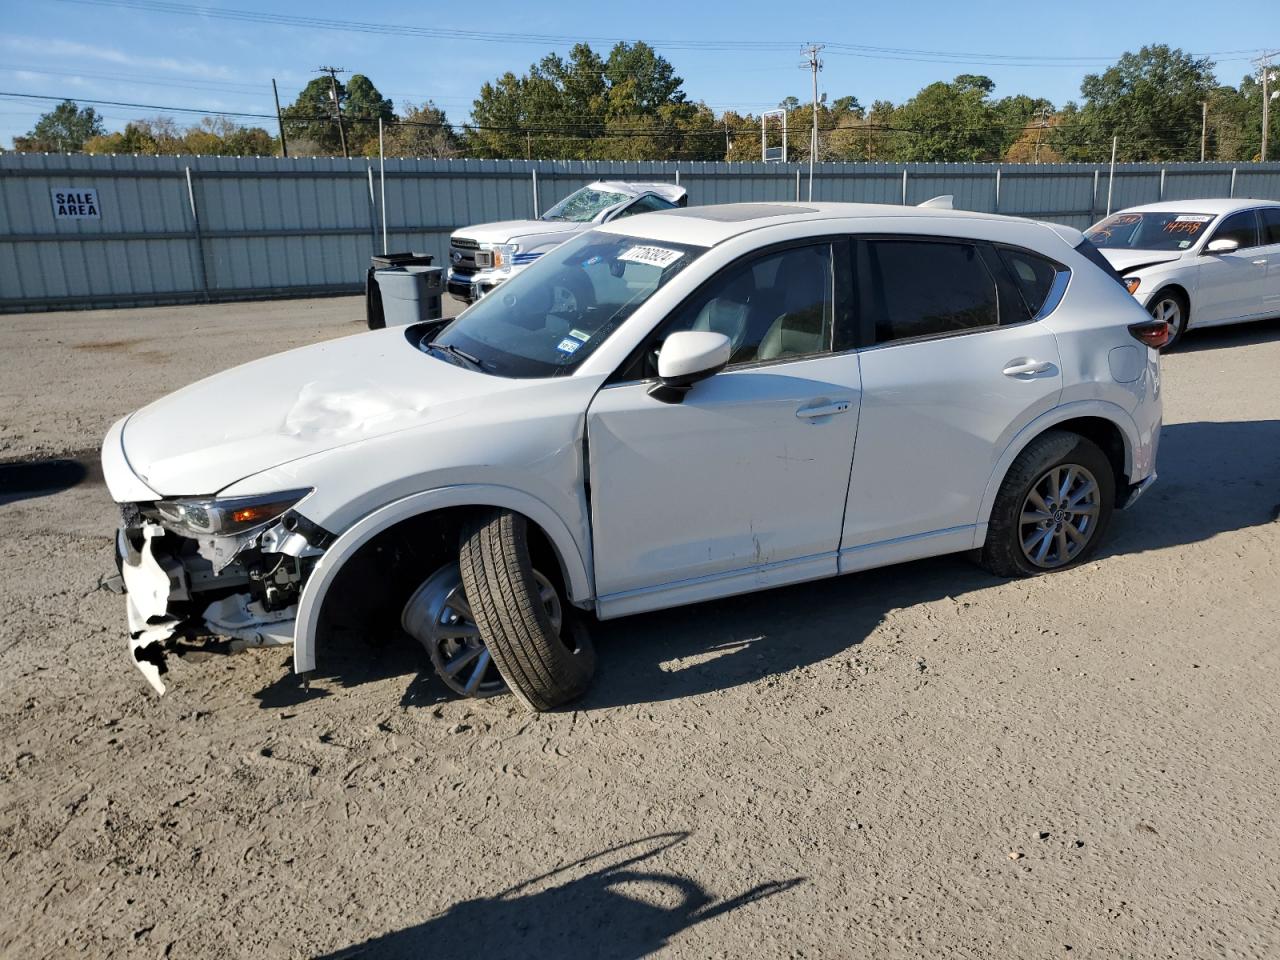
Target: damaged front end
231,567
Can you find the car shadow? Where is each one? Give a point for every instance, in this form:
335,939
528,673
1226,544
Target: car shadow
1234,335
29,479
1214,478
568,913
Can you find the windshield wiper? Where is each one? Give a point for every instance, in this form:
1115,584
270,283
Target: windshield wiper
453,351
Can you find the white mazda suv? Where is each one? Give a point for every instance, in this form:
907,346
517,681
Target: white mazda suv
735,397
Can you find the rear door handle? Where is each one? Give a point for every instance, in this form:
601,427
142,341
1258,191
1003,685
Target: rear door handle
1024,368
824,409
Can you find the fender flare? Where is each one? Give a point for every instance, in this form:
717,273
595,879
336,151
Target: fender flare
464,495
1103,409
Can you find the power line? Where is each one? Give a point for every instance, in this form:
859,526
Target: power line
488,36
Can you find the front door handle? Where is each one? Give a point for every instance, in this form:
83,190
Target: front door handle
1025,368
824,409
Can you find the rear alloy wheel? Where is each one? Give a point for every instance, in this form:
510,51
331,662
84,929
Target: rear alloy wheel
1052,509
1170,307
546,660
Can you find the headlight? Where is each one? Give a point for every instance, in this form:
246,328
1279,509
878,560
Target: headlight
220,516
504,255
1132,283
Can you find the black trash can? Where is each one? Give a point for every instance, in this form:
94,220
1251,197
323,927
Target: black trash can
402,288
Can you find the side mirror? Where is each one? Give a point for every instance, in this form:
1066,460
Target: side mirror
685,358
1222,245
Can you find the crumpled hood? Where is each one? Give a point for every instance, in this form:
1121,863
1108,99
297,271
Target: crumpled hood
275,410
511,231
1128,260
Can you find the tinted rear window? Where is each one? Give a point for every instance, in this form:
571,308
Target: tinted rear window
1034,275
1270,225
922,289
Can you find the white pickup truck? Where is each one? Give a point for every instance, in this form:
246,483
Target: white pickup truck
485,255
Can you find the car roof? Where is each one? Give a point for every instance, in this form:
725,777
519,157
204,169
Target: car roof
1215,206
709,225
635,188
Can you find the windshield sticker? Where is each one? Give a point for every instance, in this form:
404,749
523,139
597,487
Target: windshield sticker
579,335
1193,218
654,256
592,260
1123,218
568,345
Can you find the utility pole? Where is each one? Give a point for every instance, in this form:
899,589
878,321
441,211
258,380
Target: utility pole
814,65
1043,114
1204,126
1264,67
337,106
284,145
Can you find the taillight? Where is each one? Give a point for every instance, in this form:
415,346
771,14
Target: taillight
1154,333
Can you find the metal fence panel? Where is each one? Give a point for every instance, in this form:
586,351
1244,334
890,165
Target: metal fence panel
180,229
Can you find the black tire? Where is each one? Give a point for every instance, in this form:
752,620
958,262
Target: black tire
543,669
1003,553
1178,299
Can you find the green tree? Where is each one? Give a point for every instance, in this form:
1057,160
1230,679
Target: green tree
364,106
311,124
64,129
421,131
1150,101
628,106
953,122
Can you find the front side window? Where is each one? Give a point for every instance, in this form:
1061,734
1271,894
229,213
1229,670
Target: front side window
775,306
1150,230
545,321
1241,227
581,206
914,288
1270,225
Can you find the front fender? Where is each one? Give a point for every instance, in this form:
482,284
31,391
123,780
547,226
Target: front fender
574,558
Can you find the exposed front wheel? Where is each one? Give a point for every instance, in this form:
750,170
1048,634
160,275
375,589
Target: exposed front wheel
1171,307
547,660
1052,509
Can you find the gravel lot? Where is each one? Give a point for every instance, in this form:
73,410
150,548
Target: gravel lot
918,761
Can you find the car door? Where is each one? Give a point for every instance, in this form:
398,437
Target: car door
954,367
743,483
1231,286
1270,250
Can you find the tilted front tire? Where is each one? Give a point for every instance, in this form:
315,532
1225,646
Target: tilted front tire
1053,508
543,667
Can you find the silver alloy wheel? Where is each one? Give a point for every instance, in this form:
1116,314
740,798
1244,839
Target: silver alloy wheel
438,616
1059,515
1169,310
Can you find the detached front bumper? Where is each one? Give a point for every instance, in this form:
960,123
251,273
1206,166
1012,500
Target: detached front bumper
171,587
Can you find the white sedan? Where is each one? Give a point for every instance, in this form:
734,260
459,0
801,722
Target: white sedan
1197,263
740,397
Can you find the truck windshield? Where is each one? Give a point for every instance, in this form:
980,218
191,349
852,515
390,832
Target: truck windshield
545,321
581,206
1150,231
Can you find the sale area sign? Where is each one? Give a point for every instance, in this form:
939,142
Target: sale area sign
75,203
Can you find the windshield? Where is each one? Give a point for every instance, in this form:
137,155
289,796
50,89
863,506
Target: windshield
1150,231
547,320
581,206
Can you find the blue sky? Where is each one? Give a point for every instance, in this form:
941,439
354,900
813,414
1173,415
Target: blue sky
109,51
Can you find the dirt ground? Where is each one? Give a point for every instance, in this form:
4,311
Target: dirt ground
917,761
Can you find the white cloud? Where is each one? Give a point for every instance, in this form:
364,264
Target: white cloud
69,51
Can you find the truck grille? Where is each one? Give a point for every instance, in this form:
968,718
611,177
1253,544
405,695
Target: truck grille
462,243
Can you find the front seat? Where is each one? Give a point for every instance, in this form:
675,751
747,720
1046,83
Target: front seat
728,312
804,328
